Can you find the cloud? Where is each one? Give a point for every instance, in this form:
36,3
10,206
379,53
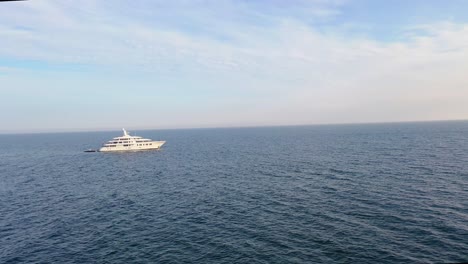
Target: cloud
62,31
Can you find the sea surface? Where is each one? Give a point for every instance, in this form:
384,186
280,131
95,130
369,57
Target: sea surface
376,193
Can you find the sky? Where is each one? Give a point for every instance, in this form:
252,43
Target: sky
86,65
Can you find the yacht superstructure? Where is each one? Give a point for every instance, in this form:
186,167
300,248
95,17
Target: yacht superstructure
130,143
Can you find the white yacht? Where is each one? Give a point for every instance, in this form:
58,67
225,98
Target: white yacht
130,143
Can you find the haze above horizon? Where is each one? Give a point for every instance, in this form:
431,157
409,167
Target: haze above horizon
153,64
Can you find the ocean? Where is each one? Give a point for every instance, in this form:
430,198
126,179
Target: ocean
373,193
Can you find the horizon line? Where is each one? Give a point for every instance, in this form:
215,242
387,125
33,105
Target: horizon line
53,131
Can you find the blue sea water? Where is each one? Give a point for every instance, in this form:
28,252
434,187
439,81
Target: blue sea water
377,193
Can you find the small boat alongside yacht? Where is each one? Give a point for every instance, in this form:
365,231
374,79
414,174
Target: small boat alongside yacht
130,143
90,150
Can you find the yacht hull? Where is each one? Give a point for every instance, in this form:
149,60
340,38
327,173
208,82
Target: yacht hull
152,145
